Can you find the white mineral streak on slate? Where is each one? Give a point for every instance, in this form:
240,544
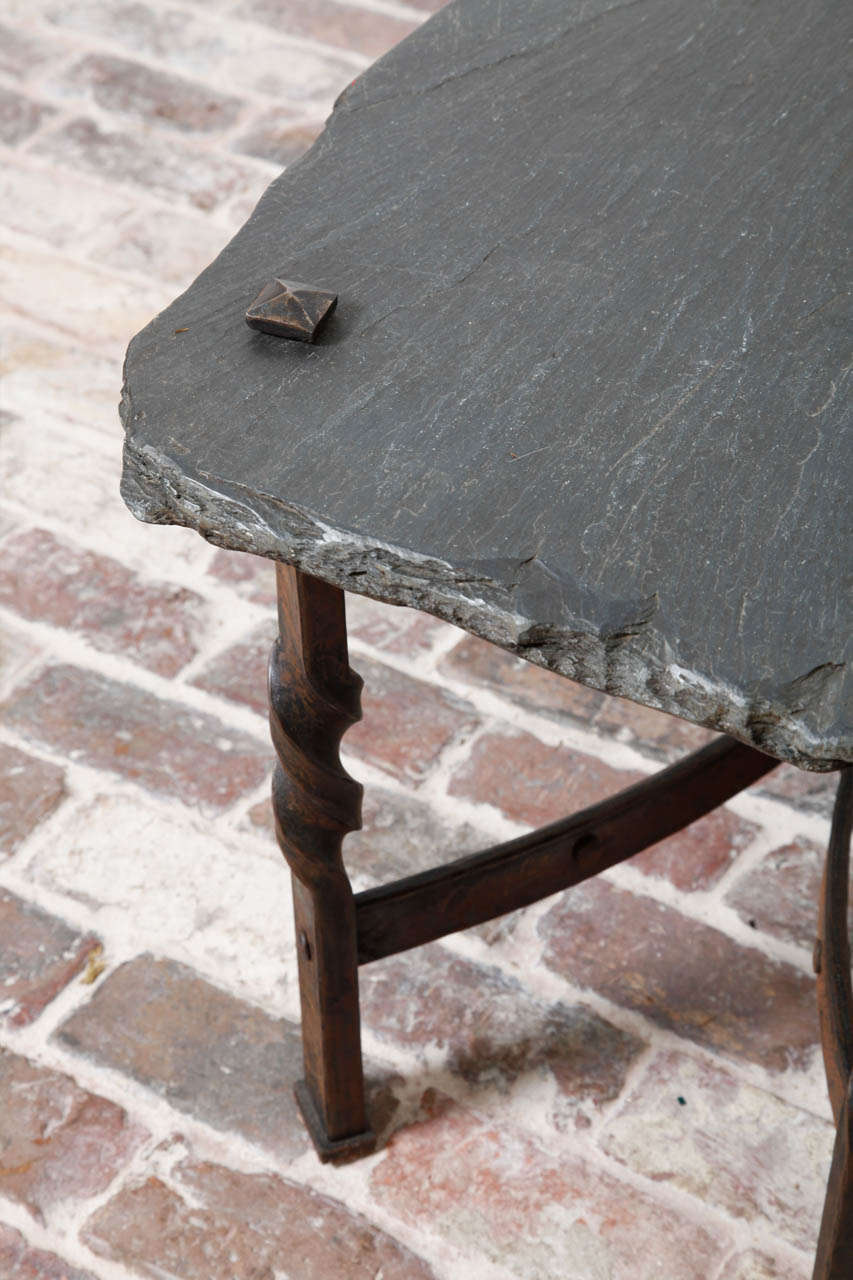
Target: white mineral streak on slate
584,393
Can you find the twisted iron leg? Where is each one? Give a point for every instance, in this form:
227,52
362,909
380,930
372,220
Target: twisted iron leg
314,698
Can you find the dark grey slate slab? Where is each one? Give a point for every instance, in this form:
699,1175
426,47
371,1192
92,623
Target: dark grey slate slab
584,391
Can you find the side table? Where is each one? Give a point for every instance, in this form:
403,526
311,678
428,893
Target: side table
582,394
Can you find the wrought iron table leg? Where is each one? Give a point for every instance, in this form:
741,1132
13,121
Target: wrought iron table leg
314,698
834,1259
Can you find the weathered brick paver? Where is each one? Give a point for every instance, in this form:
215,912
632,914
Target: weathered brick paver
252,576
167,167
727,1143
683,975
20,1261
573,1136
489,1030
207,1053
217,1058
160,745
22,51
58,1143
40,955
699,856
216,1224
780,894
240,674
536,1215
30,790
133,89
406,723
48,580
548,783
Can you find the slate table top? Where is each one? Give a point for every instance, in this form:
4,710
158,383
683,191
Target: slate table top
584,390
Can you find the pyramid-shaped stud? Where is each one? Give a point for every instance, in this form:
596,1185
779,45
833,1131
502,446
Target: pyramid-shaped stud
291,310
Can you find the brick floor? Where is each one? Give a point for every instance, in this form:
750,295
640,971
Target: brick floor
30,789
693,979
159,744
218,1224
531,1212
20,1261
58,1142
40,956
622,1082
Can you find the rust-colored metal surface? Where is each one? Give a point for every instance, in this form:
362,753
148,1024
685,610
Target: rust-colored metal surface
834,1259
291,310
314,698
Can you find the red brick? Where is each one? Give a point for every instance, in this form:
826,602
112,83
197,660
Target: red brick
682,974
811,792
490,1031
30,790
240,672
39,956
698,856
58,1144
20,116
547,693
160,745
276,138
499,1194
161,166
407,723
781,894
20,1261
760,1266
728,1143
531,782
216,1224
252,576
48,580
344,25
149,95
209,1054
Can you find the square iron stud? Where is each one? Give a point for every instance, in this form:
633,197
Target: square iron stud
291,310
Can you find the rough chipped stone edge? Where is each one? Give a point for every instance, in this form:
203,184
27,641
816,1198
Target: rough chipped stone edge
641,668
